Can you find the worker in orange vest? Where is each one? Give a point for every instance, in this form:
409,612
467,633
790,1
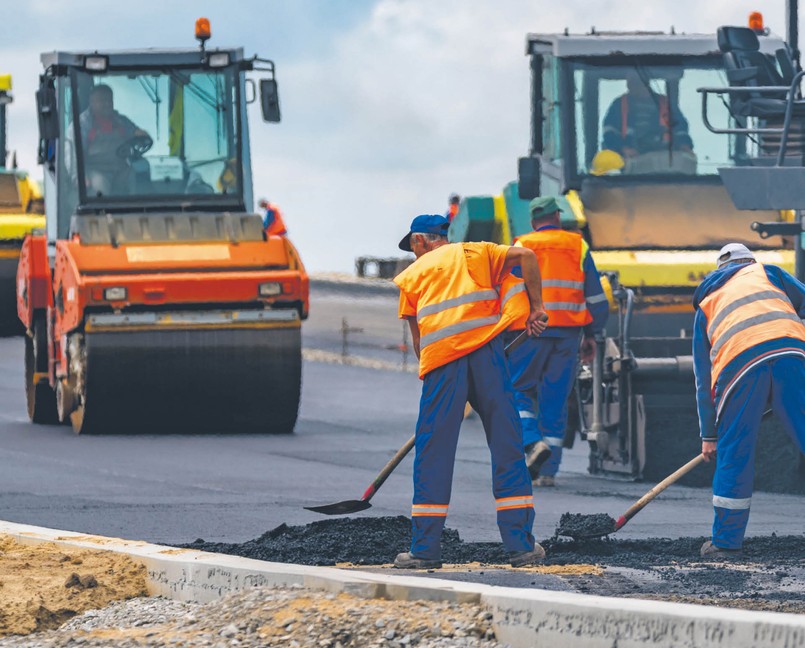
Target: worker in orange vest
273,225
449,296
452,210
748,351
546,367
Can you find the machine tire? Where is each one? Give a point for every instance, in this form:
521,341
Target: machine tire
41,399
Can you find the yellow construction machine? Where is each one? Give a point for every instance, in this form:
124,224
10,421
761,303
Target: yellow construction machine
21,211
654,209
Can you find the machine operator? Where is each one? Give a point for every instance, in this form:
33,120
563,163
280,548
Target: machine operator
103,131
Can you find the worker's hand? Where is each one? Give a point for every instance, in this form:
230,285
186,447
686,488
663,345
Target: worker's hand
537,321
709,450
587,350
628,151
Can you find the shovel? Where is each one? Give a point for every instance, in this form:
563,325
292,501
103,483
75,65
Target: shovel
354,506
584,527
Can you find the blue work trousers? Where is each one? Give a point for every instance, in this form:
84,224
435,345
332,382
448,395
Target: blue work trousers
544,369
482,378
781,383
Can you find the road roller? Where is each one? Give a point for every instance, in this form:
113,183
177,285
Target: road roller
21,211
155,301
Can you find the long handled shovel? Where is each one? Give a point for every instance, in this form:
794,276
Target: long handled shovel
354,506
582,527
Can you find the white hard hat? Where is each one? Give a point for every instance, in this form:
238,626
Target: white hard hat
734,252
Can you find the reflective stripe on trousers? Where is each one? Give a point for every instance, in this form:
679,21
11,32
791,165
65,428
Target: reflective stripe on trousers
427,510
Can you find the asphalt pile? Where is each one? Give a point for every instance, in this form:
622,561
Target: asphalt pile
359,541
769,575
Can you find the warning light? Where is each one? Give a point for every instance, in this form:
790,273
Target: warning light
756,22
203,29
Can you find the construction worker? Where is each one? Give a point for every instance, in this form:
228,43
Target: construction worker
748,351
642,121
103,131
449,296
452,210
545,367
273,225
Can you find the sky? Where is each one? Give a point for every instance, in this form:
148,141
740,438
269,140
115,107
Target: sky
388,106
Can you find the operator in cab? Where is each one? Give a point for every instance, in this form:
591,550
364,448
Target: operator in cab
103,131
643,121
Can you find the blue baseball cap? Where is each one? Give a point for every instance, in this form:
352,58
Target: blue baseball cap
425,224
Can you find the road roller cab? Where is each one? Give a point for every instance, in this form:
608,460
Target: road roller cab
155,301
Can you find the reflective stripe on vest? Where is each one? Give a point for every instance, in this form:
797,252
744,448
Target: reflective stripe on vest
456,314
478,295
508,503
560,257
514,304
746,311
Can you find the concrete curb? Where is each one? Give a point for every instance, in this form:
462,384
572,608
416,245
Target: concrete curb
522,618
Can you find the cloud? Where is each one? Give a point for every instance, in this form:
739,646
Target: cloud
388,106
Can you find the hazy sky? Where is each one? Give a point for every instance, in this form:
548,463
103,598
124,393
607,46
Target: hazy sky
388,105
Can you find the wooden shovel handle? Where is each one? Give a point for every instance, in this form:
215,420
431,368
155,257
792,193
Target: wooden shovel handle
388,468
635,508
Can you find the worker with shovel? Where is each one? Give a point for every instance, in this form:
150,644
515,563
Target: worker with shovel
748,351
449,296
546,366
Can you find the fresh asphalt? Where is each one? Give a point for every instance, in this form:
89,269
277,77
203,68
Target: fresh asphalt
231,487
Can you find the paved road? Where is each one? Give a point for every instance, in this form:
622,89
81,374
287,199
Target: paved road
232,487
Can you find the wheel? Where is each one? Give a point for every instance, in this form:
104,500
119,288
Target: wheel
40,397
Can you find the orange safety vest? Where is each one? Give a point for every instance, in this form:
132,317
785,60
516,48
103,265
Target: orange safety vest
277,226
560,255
746,311
455,314
451,212
514,304
665,120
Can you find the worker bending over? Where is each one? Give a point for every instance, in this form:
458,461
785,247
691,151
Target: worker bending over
748,351
449,296
545,367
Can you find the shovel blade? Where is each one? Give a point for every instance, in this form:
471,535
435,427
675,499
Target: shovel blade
341,508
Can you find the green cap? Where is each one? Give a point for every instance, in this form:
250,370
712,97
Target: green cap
543,206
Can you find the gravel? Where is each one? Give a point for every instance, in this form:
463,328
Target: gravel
291,617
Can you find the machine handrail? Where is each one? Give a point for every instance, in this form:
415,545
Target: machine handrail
791,101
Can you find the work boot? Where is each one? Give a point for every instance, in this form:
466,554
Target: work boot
407,560
711,551
545,481
536,454
527,558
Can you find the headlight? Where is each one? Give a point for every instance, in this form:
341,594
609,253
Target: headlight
270,289
96,63
218,59
114,294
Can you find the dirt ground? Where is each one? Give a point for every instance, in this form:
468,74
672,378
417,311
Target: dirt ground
44,585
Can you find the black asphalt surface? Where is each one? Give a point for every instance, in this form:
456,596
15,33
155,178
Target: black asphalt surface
229,487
